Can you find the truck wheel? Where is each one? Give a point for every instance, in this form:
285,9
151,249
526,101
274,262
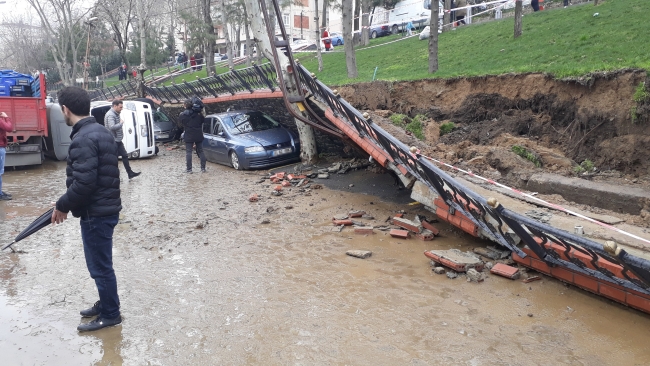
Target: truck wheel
394,29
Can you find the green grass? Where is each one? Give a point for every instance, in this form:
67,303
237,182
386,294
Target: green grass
446,127
641,94
585,166
521,151
562,42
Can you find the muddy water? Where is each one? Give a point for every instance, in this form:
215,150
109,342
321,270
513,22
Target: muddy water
203,282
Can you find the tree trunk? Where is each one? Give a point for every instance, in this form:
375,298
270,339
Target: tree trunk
365,22
433,37
355,14
143,35
226,35
446,19
308,151
326,4
350,56
518,14
208,55
595,2
318,41
249,43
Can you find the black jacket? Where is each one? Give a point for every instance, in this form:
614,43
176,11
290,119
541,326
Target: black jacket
193,123
93,176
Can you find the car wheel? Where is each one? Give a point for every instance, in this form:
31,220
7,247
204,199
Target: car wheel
373,35
339,43
234,161
395,30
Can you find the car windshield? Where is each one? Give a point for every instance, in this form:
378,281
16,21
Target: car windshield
249,122
159,116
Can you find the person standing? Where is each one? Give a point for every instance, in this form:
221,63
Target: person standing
327,40
192,120
409,28
566,3
114,124
534,4
5,126
93,195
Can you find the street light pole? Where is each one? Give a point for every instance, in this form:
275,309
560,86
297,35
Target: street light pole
301,25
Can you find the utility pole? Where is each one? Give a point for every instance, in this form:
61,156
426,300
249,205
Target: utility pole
86,60
301,25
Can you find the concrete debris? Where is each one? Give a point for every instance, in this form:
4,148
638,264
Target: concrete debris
276,193
400,234
288,207
266,221
407,224
531,279
425,235
342,222
334,168
492,252
540,216
316,186
351,185
474,275
367,217
323,176
439,270
451,275
363,230
363,254
340,217
356,213
455,259
253,197
489,265
338,229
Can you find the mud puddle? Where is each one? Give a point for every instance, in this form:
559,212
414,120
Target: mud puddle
203,281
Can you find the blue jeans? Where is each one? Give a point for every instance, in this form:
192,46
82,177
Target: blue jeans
3,153
97,236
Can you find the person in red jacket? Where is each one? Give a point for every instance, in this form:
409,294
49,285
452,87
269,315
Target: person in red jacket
5,126
327,40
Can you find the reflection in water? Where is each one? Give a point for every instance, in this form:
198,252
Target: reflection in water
111,345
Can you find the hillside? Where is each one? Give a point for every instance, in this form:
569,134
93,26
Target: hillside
562,42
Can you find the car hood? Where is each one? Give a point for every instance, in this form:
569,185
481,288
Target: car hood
162,126
266,137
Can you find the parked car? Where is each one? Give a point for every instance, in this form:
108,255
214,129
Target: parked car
337,39
302,45
380,31
247,140
164,128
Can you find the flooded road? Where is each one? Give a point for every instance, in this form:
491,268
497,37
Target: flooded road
203,282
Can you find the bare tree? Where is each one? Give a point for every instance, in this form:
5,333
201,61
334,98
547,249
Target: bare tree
61,20
365,22
350,56
433,37
308,151
226,34
518,15
318,41
211,38
23,44
447,15
119,15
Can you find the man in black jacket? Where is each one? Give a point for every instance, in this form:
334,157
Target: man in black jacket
93,194
192,120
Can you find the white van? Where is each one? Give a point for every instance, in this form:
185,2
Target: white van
138,139
416,11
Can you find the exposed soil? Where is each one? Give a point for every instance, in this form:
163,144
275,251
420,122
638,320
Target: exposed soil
561,122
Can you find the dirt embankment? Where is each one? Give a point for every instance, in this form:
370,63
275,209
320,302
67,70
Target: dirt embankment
560,122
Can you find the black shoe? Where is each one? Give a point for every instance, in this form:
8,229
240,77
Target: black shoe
134,174
6,194
90,312
5,197
99,323
188,171
203,170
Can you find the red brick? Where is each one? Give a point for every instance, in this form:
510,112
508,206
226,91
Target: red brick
253,197
638,302
400,215
402,234
587,283
342,222
280,175
427,225
611,292
440,203
520,260
300,176
407,224
275,180
469,227
363,230
286,183
291,177
278,188
562,274
356,213
425,235
505,271
584,258
540,265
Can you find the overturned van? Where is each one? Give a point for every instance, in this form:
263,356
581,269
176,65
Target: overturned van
139,139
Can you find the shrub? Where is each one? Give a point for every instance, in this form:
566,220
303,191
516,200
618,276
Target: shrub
415,127
398,119
521,151
587,165
641,94
446,127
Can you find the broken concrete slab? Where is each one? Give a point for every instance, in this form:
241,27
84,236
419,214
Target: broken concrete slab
425,235
323,176
340,217
506,271
451,275
407,224
363,254
439,270
455,259
423,194
492,253
427,225
474,275
356,213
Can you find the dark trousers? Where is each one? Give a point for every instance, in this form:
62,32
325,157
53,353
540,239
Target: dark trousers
97,237
535,5
121,150
566,2
199,152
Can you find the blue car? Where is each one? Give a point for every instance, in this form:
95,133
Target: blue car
337,39
248,140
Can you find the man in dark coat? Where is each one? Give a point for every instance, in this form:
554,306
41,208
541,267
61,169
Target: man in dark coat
192,120
93,195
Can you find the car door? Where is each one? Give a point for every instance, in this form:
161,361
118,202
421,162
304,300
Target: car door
208,140
221,142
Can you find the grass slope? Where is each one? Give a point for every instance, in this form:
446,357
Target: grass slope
563,42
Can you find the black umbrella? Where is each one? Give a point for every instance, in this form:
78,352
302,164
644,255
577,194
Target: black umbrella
41,222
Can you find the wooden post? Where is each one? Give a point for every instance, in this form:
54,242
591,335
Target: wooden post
518,14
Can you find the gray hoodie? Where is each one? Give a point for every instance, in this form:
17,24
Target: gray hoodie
112,122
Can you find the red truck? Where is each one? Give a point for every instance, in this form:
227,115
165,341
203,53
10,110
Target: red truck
29,118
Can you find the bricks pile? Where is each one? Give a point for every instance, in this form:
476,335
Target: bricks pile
284,180
421,229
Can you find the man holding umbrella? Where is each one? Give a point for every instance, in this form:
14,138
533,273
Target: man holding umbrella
93,195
